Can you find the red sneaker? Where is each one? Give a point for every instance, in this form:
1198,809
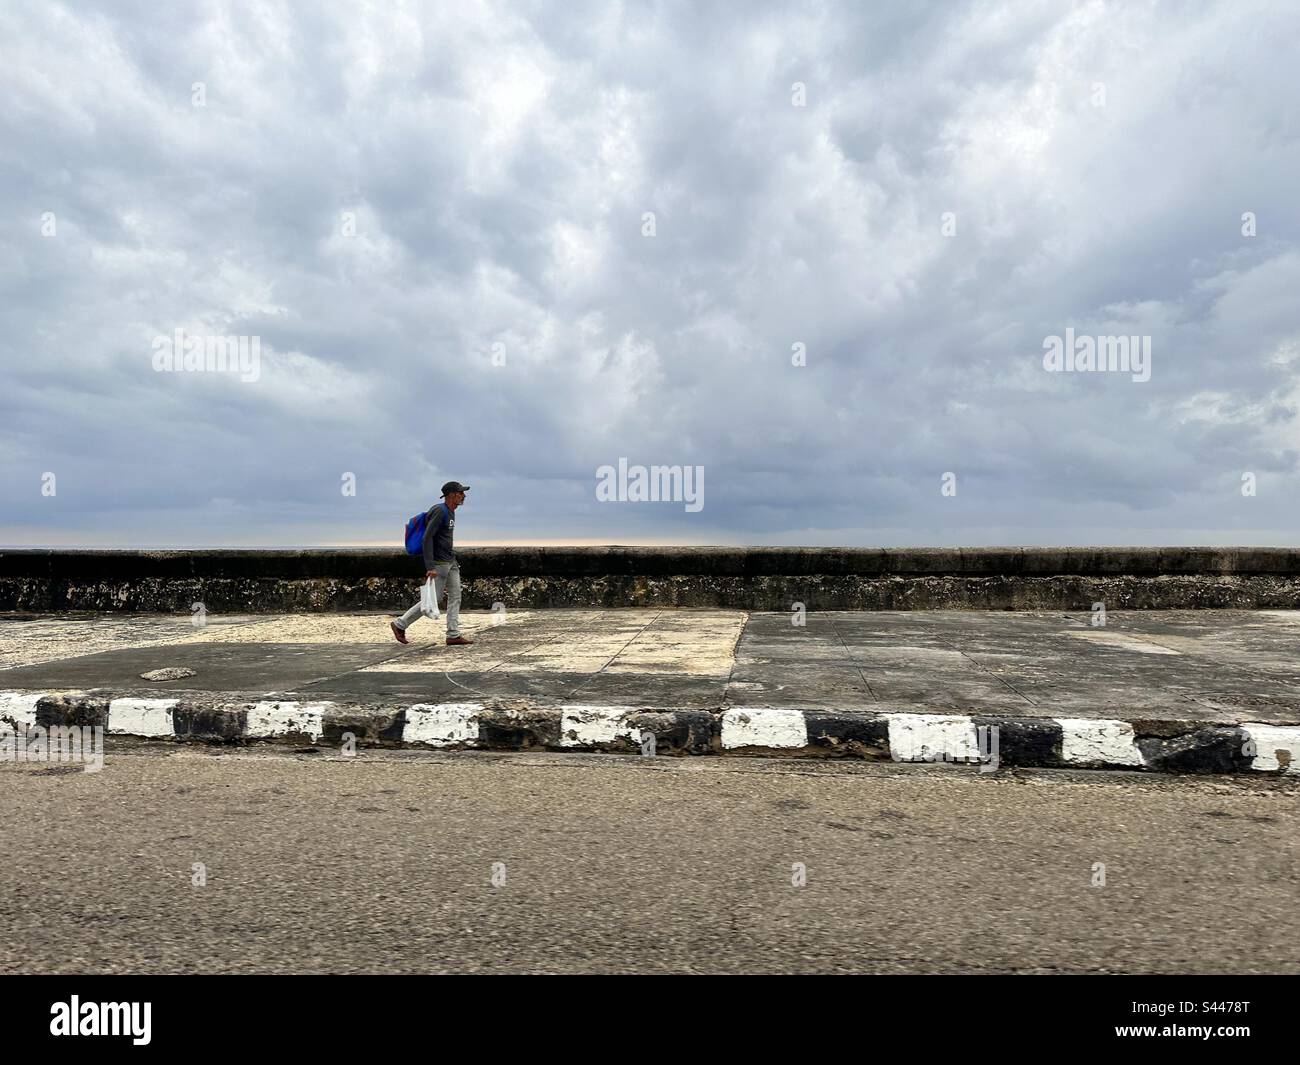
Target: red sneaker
399,633
458,641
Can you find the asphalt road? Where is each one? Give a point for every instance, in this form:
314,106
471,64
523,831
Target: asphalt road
385,863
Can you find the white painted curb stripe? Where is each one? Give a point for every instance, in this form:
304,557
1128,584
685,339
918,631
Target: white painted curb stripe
763,726
591,725
1088,742
912,737
441,724
932,738
141,717
1268,740
266,720
20,707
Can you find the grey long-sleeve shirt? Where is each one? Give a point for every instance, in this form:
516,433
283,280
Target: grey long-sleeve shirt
438,531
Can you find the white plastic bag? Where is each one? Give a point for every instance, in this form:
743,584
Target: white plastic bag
429,599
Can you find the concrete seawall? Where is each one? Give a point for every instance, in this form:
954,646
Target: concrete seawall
742,578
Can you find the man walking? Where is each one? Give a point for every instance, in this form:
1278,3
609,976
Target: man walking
440,564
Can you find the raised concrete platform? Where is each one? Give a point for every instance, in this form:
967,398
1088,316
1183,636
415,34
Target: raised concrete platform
1187,690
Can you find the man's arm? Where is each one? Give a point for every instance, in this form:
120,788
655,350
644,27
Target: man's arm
430,527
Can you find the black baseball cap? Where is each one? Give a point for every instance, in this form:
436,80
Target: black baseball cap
454,486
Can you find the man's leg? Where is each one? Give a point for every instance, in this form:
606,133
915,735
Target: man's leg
439,581
452,580
405,620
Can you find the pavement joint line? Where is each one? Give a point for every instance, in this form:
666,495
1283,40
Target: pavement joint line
996,676
980,666
513,724
639,632
852,661
735,648
508,658
402,652
473,691
552,638
399,655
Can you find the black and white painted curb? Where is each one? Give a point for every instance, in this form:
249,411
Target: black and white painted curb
988,742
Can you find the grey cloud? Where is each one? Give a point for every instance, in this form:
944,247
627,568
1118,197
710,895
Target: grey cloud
498,162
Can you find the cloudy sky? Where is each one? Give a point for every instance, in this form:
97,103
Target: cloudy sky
512,243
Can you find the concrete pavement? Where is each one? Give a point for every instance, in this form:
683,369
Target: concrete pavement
409,862
1188,690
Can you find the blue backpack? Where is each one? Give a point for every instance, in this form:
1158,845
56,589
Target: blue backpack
415,533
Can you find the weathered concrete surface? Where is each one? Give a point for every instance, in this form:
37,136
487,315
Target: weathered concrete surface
742,578
1214,667
1209,666
1191,691
383,863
